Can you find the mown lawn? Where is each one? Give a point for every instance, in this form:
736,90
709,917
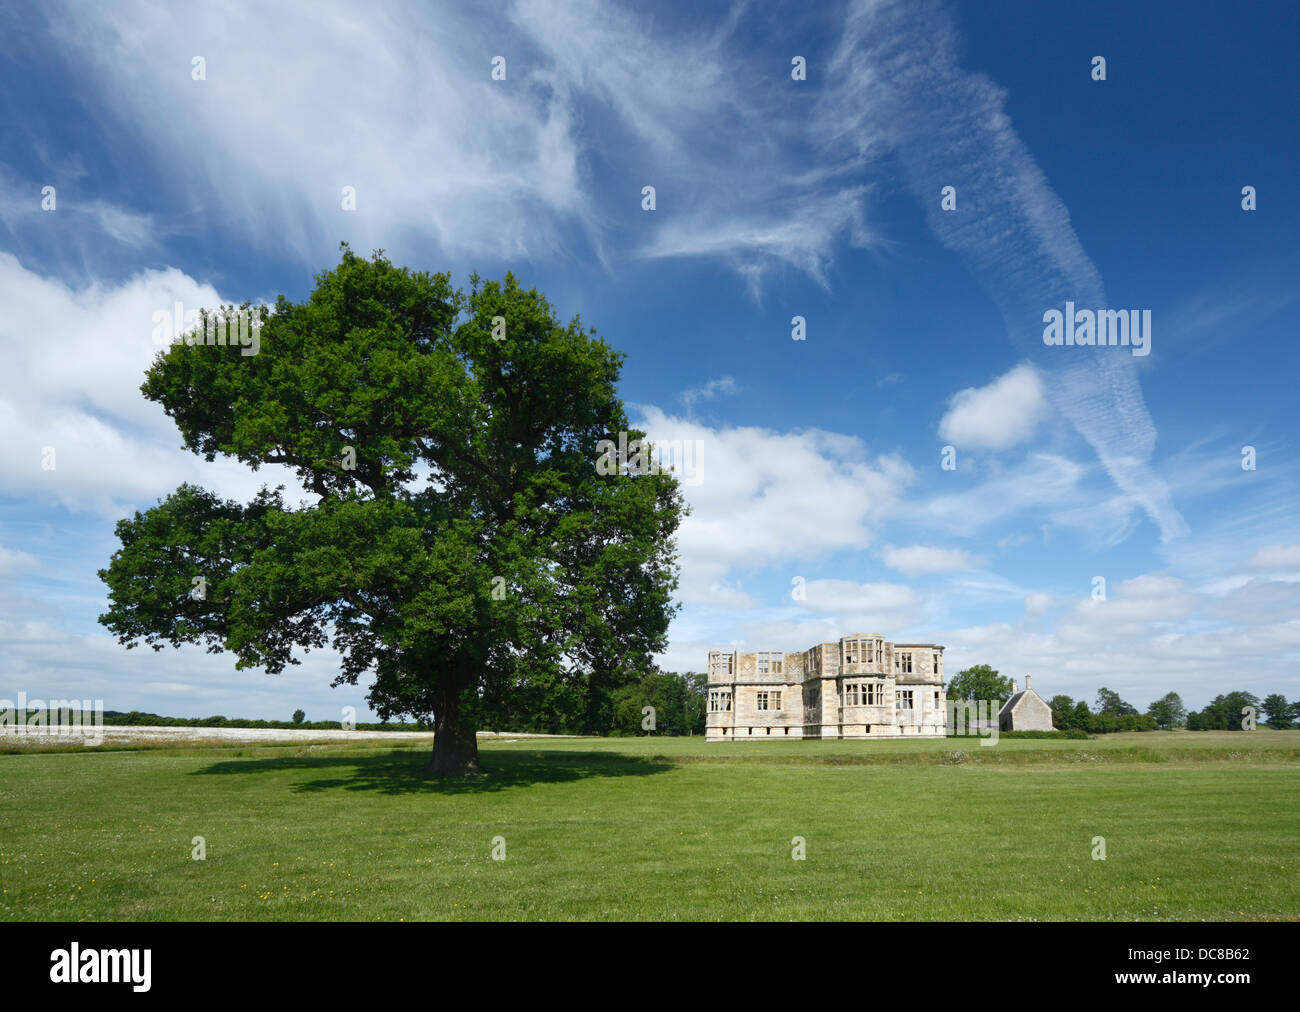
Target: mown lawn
1196,826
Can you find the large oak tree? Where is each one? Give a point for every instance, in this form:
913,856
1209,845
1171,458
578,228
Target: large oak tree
461,543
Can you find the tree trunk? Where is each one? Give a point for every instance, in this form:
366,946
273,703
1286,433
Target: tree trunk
455,745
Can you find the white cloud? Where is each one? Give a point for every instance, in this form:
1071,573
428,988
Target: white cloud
13,561
1275,557
764,499
844,596
48,662
1038,604
1000,415
919,560
800,231
863,607
1040,480
724,386
1154,634
82,354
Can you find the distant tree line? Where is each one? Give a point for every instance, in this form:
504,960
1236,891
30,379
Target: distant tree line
612,706
1112,713
617,707
118,718
679,703
1226,712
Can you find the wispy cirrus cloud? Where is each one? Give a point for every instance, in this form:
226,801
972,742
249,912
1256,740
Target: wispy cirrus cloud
441,154
898,83
720,387
58,223
431,143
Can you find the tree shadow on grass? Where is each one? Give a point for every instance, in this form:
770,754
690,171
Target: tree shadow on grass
402,771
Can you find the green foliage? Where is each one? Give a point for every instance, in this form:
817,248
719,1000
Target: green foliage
462,546
1109,702
136,718
1062,712
1277,711
1168,711
1224,713
981,682
1076,719
679,703
299,716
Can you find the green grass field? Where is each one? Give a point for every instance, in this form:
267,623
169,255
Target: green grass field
1197,826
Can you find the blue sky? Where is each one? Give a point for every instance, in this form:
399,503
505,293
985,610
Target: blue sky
819,460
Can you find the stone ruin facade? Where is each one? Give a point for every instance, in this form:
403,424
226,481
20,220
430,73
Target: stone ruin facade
860,686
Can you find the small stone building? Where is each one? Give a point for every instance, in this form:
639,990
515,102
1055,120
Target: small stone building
860,686
1025,711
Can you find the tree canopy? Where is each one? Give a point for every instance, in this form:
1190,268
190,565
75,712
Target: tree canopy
980,682
1278,713
1109,701
1168,711
1226,712
462,545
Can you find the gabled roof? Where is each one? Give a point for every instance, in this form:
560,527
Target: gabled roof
1018,698
1010,704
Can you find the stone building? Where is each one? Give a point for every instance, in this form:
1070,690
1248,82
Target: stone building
860,686
1025,711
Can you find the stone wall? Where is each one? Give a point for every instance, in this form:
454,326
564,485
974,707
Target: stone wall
812,686
1029,712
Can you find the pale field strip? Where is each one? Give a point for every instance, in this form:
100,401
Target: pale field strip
140,732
